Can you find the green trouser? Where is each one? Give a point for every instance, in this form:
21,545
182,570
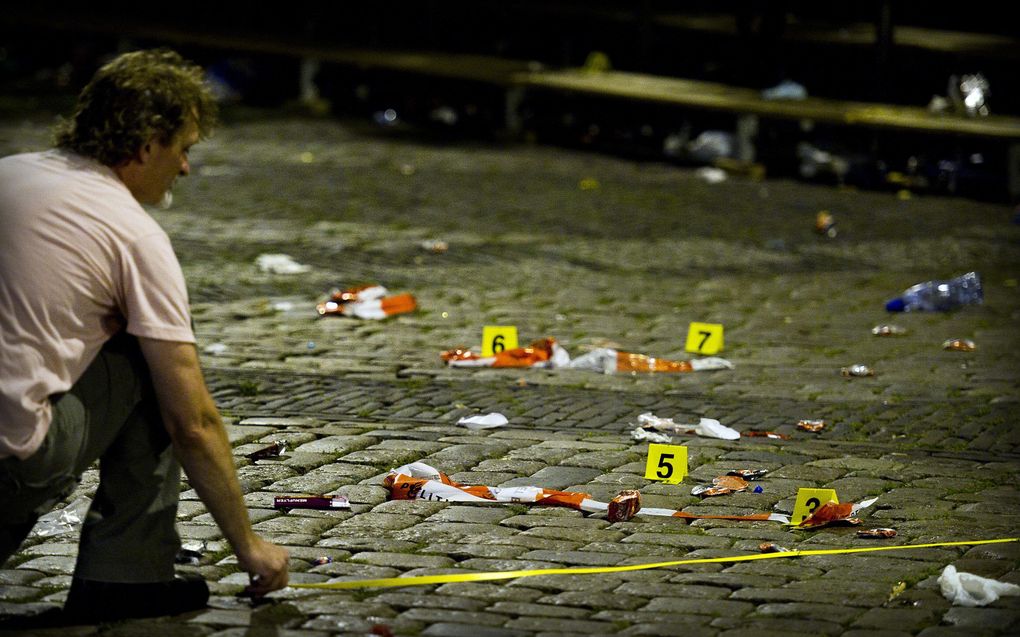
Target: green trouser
129,534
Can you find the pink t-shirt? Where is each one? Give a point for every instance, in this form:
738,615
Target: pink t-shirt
79,260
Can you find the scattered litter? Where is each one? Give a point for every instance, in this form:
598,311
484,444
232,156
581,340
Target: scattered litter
624,506
772,547
215,349
722,485
857,370
608,361
967,589
814,426
61,521
876,534
785,90
969,94
544,353
274,450
711,145
547,353
939,296
311,502
419,481
708,427
280,264
833,512
888,330
748,474
643,435
825,224
437,246
319,561
711,174
897,590
959,345
372,302
759,489
765,434
487,421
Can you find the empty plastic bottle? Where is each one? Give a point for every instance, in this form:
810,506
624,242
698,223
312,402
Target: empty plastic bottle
939,296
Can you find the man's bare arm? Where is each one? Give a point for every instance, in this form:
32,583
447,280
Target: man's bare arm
203,449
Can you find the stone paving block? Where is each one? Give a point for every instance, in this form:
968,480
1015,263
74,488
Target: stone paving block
911,619
418,599
376,522
745,627
575,558
450,629
539,610
463,550
478,514
488,618
448,531
615,600
353,540
490,592
402,560
831,612
558,477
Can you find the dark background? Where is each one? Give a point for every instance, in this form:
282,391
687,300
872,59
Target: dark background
835,50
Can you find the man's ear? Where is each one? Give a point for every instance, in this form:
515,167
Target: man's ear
143,154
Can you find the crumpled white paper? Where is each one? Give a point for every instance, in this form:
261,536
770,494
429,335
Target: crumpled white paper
63,520
280,264
708,427
487,421
643,435
967,589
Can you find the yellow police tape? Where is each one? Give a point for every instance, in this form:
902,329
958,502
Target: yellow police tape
422,580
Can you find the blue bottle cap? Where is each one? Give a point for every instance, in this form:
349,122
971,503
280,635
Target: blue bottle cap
895,305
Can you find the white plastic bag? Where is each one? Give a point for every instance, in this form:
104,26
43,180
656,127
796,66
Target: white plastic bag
967,589
487,421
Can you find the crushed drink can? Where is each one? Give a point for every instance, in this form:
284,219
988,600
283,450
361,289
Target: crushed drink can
311,502
814,426
959,345
772,547
857,370
624,506
319,561
877,534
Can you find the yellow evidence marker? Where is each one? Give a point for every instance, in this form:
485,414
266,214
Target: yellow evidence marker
498,338
704,338
666,463
808,500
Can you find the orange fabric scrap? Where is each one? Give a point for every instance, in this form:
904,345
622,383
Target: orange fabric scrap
537,353
829,513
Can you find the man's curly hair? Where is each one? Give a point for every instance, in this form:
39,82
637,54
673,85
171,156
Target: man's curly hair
130,100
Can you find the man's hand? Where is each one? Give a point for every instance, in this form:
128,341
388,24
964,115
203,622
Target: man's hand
201,444
266,563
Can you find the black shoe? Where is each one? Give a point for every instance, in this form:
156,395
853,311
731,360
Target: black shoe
92,602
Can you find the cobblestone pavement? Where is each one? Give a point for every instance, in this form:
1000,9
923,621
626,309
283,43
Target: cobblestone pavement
628,260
